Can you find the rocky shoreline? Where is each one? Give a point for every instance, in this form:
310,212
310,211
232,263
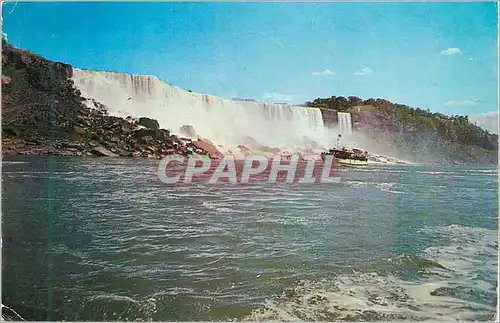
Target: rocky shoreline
110,137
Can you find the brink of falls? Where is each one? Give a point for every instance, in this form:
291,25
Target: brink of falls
226,122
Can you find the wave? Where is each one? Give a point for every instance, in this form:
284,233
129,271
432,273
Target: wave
388,187
385,187
487,171
453,285
4,162
9,314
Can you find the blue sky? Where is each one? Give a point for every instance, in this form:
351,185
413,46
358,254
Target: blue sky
438,56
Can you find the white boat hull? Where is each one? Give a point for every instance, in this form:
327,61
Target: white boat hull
351,162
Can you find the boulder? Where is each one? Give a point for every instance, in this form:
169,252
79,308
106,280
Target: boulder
101,151
127,127
208,146
249,141
245,150
188,131
6,79
162,134
141,133
148,123
268,149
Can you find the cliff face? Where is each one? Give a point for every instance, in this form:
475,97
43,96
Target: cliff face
416,134
330,118
36,95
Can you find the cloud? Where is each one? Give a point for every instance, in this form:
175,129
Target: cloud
462,102
488,121
364,71
280,98
323,73
451,51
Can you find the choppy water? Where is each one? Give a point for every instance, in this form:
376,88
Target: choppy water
102,239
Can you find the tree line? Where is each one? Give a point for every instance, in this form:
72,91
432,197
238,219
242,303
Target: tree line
445,128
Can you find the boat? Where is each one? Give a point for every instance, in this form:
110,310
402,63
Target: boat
346,156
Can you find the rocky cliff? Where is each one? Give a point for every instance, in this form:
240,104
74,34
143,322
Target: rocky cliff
330,118
415,134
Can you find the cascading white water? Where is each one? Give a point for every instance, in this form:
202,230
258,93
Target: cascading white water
223,121
345,123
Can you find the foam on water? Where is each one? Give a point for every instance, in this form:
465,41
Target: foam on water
226,122
455,284
9,314
13,162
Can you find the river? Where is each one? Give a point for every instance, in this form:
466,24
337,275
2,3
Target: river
104,239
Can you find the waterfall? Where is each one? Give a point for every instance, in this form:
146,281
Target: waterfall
345,123
225,122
